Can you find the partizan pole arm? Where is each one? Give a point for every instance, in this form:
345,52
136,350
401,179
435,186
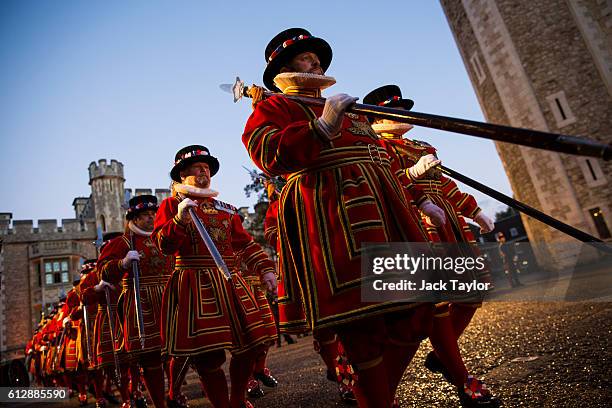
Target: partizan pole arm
137,302
214,252
88,344
111,325
526,209
525,137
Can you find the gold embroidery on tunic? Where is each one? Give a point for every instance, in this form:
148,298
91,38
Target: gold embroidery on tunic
362,129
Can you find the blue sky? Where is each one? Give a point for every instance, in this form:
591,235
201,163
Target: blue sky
135,81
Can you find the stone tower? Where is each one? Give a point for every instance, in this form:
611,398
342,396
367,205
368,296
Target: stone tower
545,65
107,194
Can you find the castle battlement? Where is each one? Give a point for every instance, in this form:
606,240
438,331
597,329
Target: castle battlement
103,169
46,226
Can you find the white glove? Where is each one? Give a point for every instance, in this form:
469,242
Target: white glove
269,279
486,223
66,322
183,209
425,163
435,215
43,348
330,121
103,284
129,258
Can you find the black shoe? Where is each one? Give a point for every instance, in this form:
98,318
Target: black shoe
331,376
254,389
266,378
346,394
433,364
289,339
474,394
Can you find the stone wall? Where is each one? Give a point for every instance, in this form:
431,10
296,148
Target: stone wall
528,62
24,292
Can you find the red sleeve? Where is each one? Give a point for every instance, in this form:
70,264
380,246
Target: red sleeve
400,163
274,130
88,294
271,224
109,263
255,259
168,234
73,302
463,203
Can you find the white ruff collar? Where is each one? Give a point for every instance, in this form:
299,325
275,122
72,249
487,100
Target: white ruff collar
195,191
138,231
302,80
395,128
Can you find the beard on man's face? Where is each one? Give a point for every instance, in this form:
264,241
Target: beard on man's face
201,181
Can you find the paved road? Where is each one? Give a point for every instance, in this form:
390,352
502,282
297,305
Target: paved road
570,343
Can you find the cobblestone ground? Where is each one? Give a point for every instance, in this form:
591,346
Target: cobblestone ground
569,341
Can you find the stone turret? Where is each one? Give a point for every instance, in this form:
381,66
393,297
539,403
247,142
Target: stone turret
108,194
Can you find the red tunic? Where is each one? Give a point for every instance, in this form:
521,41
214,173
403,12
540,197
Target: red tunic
340,194
72,353
202,311
291,316
442,191
52,364
154,269
103,342
90,301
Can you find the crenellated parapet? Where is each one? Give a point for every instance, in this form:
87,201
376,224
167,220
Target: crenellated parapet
103,169
25,231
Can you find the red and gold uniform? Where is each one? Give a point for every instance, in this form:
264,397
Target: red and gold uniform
203,311
73,352
440,189
292,318
90,301
418,170
54,331
340,194
103,350
154,269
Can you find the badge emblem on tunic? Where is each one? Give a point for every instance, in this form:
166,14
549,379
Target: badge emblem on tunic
208,208
218,234
362,129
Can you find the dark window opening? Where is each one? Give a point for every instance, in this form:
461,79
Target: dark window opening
600,223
